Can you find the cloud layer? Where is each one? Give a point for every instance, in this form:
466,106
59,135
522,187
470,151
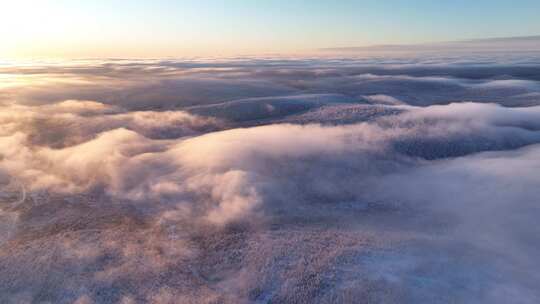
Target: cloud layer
255,181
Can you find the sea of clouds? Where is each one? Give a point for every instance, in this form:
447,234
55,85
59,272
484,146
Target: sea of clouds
265,180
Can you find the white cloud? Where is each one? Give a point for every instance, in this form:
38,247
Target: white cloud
107,204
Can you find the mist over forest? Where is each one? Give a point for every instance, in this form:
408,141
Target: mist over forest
332,179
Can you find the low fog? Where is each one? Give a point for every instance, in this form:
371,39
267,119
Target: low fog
260,180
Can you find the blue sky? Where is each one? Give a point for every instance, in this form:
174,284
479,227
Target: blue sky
205,27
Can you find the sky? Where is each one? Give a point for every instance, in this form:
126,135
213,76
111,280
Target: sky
164,28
